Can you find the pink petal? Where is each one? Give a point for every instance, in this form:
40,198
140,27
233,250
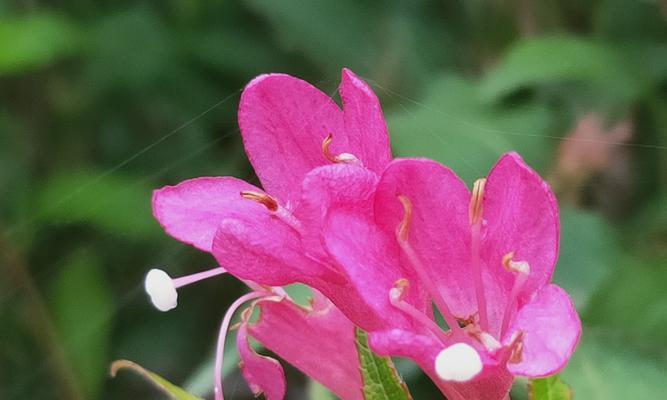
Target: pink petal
330,186
191,210
263,374
521,216
439,230
284,121
319,343
370,260
364,122
261,247
552,329
494,384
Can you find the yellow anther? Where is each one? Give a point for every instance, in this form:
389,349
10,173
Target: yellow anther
475,211
269,202
404,226
340,158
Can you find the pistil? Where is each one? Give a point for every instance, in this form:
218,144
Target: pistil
162,288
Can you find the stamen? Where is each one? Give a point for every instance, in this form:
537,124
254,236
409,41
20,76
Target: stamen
475,211
459,363
224,328
161,289
269,202
345,158
396,296
521,270
402,233
475,214
516,348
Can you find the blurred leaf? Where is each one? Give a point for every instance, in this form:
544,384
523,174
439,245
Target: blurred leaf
602,370
588,250
109,203
82,306
200,382
551,388
452,126
35,41
319,392
323,30
633,302
165,386
561,59
380,379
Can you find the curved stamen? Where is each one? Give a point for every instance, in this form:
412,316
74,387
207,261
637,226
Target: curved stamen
521,270
475,239
396,295
267,201
345,158
224,328
402,234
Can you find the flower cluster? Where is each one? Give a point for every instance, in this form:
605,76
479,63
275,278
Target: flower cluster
381,241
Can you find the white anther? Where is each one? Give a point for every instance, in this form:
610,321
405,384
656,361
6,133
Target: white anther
521,267
459,363
160,287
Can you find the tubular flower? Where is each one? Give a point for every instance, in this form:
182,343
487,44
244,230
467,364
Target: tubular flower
485,258
299,141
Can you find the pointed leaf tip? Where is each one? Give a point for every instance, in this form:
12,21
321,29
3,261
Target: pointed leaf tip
168,388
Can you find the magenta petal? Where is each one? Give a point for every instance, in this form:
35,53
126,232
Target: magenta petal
263,374
364,122
552,329
261,247
439,230
370,260
191,210
330,186
521,216
423,350
284,121
319,343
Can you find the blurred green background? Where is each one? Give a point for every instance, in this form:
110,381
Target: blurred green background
103,101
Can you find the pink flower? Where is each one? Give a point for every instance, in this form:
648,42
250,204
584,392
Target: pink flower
294,135
486,260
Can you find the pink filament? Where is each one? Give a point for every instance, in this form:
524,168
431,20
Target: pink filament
519,280
430,286
224,327
199,276
477,274
420,317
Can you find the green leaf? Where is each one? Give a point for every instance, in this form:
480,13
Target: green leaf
82,308
165,386
110,203
551,388
561,59
381,381
35,41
